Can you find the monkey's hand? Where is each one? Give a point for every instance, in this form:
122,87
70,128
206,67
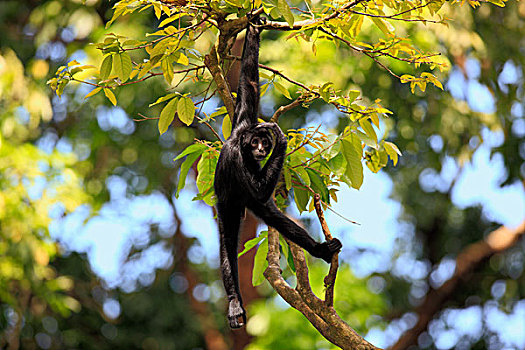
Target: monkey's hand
235,311
274,128
328,249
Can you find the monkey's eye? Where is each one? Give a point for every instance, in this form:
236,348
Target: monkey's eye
265,142
255,142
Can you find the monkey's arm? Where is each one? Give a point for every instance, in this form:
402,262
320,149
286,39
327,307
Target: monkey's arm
247,106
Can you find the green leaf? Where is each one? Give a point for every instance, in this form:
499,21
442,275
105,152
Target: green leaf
354,167
170,19
285,247
282,90
184,168
366,139
264,88
111,96
93,92
167,70
122,65
302,175
368,129
206,169
318,185
374,162
226,127
353,94
183,59
381,25
166,115
356,21
236,3
105,67
324,91
336,163
162,99
301,198
287,178
284,9
248,245
392,151
186,110
260,263
193,148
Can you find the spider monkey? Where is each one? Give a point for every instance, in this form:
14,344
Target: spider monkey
241,182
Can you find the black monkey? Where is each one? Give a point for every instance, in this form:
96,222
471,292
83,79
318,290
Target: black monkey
241,183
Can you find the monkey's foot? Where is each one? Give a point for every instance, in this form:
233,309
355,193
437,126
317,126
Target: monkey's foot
236,314
329,248
334,245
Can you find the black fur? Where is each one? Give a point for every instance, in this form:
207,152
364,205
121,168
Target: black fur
241,183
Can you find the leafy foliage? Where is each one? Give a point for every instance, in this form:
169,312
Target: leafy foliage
384,49
181,46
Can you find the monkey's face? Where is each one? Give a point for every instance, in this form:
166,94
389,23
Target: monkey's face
260,145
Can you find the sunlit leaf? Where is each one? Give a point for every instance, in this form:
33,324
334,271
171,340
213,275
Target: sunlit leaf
368,129
186,110
122,65
260,263
111,96
183,59
287,178
93,92
163,99
226,127
318,185
282,90
353,156
166,115
106,66
206,174
184,168
301,198
167,70
248,245
285,11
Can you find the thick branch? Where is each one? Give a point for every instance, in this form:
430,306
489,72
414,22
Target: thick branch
212,62
340,333
321,316
290,295
469,259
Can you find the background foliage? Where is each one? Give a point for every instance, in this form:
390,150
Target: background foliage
70,166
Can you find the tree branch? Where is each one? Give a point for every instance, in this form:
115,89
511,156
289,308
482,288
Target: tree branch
211,61
469,259
284,109
329,280
323,317
311,22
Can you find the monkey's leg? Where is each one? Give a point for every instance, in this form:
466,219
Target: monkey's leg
272,216
229,216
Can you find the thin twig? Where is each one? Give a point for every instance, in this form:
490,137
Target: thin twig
210,127
311,22
329,280
328,206
284,109
305,141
